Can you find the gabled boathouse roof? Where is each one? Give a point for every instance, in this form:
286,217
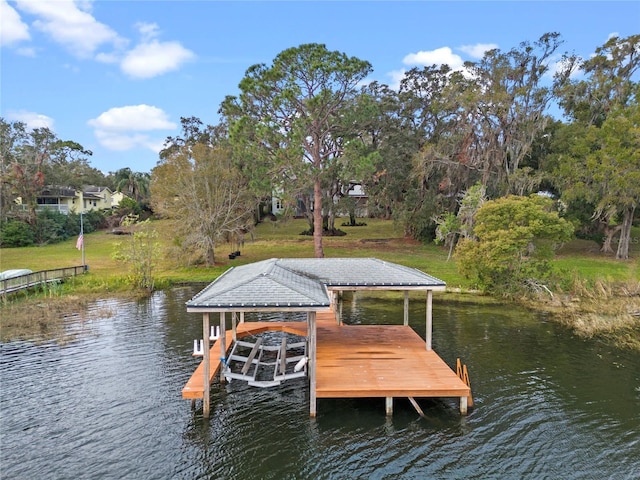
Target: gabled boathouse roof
302,283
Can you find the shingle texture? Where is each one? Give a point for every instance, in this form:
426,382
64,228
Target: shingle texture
303,282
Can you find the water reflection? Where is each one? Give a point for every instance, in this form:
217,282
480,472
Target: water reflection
108,405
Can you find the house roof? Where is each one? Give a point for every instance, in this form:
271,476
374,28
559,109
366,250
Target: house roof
302,283
57,192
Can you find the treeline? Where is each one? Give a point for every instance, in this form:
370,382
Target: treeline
305,129
429,155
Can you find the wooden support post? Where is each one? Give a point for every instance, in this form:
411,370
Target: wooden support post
340,303
205,363
234,333
388,406
463,405
429,318
223,344
406,308
416,406
311,365
241,317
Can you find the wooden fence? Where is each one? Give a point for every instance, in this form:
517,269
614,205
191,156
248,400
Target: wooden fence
29,280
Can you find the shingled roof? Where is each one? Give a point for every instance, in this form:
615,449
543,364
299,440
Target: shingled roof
301,283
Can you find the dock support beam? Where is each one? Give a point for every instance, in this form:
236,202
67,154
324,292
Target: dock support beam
463,405
311,321
234,324
388,406
429,318
406,308
223,344
205,363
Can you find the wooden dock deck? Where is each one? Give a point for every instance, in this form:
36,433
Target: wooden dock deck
379,361
357,361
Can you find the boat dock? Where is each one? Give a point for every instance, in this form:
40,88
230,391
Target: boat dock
340,361
354,361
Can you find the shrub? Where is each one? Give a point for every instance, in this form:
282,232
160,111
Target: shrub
515,238
16,233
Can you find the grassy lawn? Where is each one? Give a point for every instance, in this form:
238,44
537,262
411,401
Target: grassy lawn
599,313
379,238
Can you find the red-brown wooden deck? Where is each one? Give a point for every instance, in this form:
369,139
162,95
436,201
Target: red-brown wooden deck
355,361
379,361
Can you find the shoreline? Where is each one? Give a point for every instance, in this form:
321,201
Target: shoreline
40,318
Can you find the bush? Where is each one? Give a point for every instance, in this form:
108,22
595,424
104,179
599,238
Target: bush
516,237
16,233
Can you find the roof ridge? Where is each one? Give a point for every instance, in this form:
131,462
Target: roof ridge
318,281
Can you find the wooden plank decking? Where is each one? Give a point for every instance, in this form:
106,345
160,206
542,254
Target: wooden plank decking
379,361
356,361
194,388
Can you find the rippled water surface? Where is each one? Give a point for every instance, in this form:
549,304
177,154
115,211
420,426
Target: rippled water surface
108,405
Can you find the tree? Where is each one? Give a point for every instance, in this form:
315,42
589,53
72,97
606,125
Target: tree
284,123
603,168
450,226
133,184
139,252
600,163
515,237
607,80
31,159
205,197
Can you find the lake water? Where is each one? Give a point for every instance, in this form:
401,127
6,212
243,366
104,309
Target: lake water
107,404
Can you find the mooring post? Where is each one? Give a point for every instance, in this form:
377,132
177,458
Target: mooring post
388,406
205,364
429,318
311,322
223,345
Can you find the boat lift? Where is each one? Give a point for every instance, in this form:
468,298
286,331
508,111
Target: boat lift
253,362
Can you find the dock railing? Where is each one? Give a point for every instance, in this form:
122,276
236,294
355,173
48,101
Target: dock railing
33,279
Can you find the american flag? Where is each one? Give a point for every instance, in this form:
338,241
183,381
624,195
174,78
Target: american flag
80,242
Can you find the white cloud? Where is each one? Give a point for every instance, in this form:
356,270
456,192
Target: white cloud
396,78
129,127
148,31
12,28
154,58
478,50
439,56
31,119
71,24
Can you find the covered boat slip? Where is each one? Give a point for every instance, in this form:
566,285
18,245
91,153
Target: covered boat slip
341,361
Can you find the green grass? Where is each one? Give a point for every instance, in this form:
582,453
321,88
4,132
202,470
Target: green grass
379,238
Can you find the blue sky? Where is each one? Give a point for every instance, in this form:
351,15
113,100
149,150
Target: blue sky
117,75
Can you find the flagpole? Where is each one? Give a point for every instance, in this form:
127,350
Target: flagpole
82,235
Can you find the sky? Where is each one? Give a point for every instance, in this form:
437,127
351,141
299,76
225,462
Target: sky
117,75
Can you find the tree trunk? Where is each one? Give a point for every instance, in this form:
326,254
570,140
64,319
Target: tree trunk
211,260
317,219
609,233
625,234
